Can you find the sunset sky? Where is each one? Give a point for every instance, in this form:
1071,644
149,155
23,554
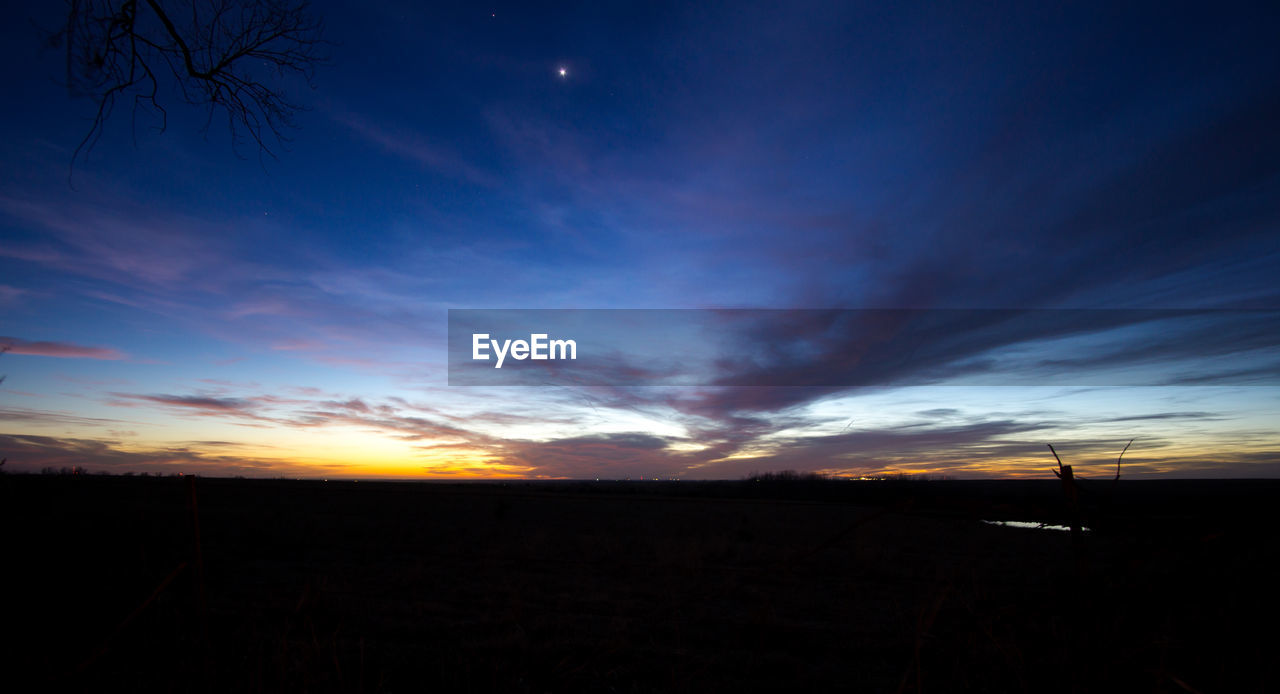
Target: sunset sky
172,304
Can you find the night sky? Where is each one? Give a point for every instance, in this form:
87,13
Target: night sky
174,303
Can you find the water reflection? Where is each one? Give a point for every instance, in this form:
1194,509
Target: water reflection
1031,524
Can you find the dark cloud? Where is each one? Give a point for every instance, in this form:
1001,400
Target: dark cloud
65,350
608,456
22,414
910,447
938,412
30,453
829,349
383,419
194,403
353,405
916,347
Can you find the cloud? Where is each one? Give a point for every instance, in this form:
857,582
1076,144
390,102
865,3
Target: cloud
835,348
384,419
204,404
352,405
1199,416
10,295
63,350
22,414
248,411
28,453
609,456
416,148
923,447
127,245
1064,347
993,447
258,409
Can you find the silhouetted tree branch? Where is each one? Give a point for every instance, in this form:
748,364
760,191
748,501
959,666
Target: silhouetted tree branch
228,55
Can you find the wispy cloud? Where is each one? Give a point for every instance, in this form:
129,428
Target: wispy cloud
33,416
65,350
31,453
417,148
11,295
126,245
608,456
206,404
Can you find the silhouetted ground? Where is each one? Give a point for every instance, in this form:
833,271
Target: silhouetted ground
634,587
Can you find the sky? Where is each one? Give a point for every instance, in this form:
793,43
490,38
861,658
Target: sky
174,302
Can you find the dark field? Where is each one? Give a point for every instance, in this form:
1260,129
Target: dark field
849,586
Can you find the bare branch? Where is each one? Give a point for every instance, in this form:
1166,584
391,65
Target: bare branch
1057,472
1126,447
232,56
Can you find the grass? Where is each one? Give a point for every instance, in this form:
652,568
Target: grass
628,588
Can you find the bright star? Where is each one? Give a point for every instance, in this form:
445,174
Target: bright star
564,72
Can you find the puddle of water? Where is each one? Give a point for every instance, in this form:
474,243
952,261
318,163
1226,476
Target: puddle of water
1032,525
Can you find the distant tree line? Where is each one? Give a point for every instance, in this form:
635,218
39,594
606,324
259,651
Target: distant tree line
794,477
